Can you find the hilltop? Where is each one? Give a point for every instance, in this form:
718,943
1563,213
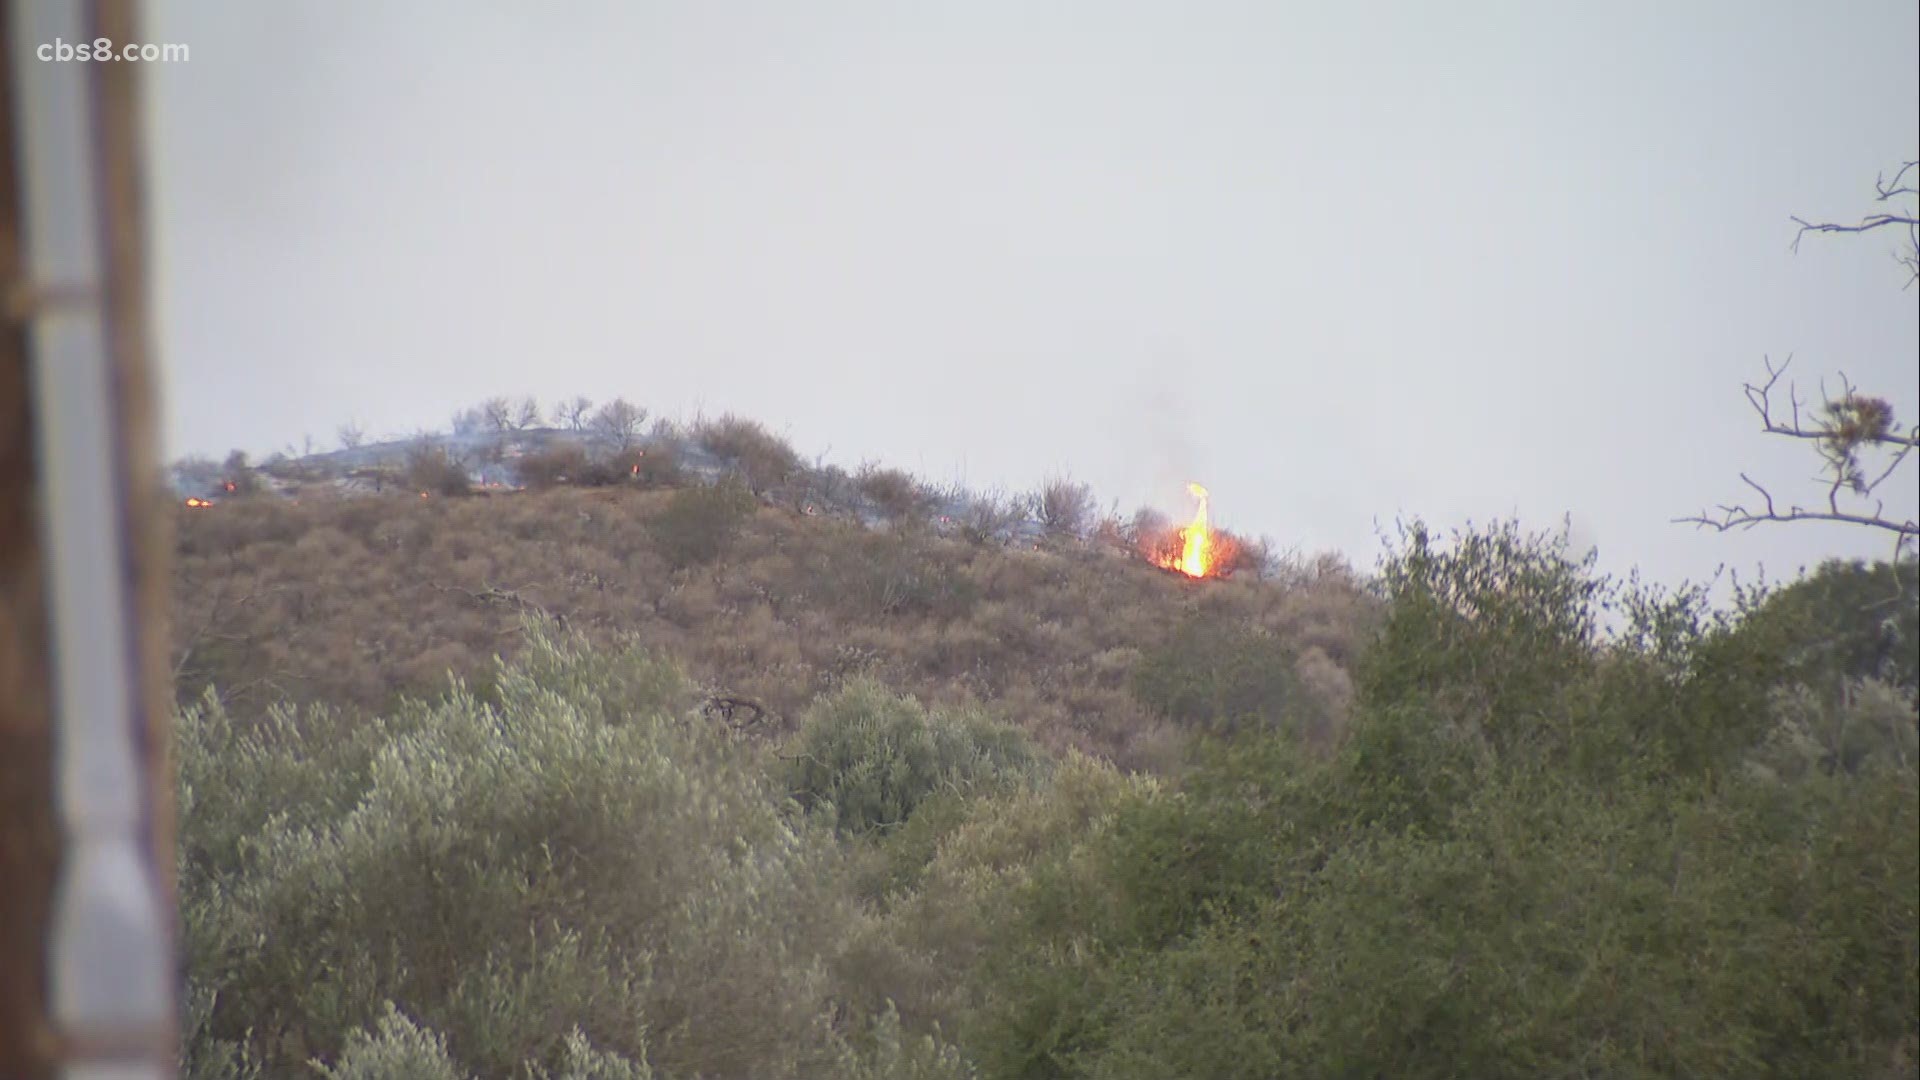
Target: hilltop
366,574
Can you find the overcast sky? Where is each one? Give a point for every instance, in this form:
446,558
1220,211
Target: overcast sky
1339,262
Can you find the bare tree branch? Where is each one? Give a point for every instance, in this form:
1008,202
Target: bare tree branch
1885,191
1846,427
1738,516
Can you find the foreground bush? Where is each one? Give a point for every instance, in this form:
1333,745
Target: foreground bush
575,882
1541,851
865,758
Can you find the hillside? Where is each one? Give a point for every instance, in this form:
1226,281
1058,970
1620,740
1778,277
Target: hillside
356,599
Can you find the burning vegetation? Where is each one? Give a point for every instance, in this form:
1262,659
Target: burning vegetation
1197,549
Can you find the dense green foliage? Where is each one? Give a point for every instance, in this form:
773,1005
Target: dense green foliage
1539,853
576,880
1571,828
866,757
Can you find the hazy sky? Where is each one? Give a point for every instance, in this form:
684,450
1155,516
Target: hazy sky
1340,262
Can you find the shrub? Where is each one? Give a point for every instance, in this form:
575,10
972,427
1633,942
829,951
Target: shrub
658,464
865,757
237,477
514,880
894,493
761,458
398,1050
1846,621
561,463
988,514
1063,506
431,468
893,575
1490,629
699,523
1226,678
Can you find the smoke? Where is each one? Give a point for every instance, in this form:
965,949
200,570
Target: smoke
1156,426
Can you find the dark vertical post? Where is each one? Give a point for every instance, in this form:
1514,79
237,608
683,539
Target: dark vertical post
34,841
29,833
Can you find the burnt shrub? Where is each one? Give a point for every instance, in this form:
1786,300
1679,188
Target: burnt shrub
432,469
894,493
562,463
659,464
986,515
761,458
700,523
1063,506
237,477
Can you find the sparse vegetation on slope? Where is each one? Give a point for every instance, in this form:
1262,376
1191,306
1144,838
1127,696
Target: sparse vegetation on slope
353,601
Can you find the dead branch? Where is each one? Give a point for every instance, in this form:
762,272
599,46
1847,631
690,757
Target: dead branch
1885,191
722,707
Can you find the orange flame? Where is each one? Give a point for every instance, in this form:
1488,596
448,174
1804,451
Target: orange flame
1197,557
196,503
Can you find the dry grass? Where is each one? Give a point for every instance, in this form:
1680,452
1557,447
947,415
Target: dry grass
357,600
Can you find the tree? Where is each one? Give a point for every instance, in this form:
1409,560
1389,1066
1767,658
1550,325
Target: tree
1860,443
618,422
574,412
352,436
470,421
526,413
498,412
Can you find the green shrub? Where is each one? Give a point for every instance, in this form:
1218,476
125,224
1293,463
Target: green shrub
398,1050
866,758
1225,677
700,523
1497,623
503,876
1845,622
1531,857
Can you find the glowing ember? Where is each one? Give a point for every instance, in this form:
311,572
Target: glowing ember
197,504
1196,557
423,494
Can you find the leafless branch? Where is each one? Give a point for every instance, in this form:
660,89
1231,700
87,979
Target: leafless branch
1898,185
1866,224
1885,191
1740,516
